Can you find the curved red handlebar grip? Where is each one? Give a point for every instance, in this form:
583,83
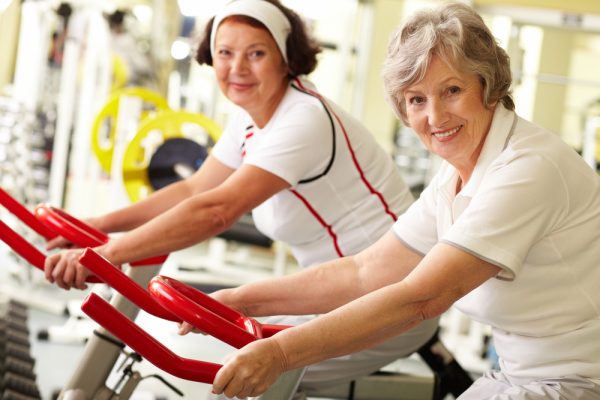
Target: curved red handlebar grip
207,314
70,227
123,284
21,246
80,233
152,350
182,303
25,215
27,250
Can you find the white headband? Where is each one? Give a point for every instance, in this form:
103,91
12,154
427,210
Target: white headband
263,11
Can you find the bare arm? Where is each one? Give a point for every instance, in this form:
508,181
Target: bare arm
442,277
192,220
324,288
210,175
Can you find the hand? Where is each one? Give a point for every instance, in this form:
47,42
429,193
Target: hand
220,295
59,242
251,370
184,328
65,270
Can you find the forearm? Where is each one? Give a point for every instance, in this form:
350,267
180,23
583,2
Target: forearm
135,215
207,210
310,291
361,324
445,275
322,288
190,222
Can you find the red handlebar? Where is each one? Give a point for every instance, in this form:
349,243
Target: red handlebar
172,300
152,350
25,215
22,246
81,233
123,284
70,227
184,303
26,250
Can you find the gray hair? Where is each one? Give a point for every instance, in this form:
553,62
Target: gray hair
458,35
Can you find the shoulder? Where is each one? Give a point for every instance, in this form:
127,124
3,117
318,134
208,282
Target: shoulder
301,110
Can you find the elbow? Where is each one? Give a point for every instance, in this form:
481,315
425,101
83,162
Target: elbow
433,308
221,220
215,217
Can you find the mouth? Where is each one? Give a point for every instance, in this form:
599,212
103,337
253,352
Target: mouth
240,86
446,134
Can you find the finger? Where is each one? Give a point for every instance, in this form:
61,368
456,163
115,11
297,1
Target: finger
51,244
222,379
49,265
68,276
80,278
57,273
58,242
184,329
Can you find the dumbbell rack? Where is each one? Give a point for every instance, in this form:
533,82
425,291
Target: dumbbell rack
25,148
17,379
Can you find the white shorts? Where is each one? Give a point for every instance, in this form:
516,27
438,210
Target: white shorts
496,385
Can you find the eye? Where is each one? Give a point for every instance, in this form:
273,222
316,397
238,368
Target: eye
257,54
416,100
454,90
223,52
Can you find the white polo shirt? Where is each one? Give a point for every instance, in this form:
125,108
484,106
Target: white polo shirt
531,207
346,191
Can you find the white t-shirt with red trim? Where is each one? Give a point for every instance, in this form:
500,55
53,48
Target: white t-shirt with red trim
531,207
346,191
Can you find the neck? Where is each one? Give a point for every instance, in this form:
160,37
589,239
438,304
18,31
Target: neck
263,114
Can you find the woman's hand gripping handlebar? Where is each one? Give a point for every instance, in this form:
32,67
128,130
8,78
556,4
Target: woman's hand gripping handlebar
28,251
51,222
64,269
80,233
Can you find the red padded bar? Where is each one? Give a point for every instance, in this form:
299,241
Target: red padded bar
80,233
22,247
178,302
25,215
152,350
271,329
123,284
27,250
69,227
165,288
203,299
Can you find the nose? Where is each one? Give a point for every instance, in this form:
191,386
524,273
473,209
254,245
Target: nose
437,114
238,64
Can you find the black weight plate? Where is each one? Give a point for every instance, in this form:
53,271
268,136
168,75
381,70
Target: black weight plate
171,158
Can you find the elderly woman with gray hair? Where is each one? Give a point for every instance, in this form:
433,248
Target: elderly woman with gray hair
508,231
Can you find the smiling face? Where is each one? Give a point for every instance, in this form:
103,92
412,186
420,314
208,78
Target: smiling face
446,110
249,68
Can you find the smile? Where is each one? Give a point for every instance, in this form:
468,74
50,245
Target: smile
447,133
240,85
